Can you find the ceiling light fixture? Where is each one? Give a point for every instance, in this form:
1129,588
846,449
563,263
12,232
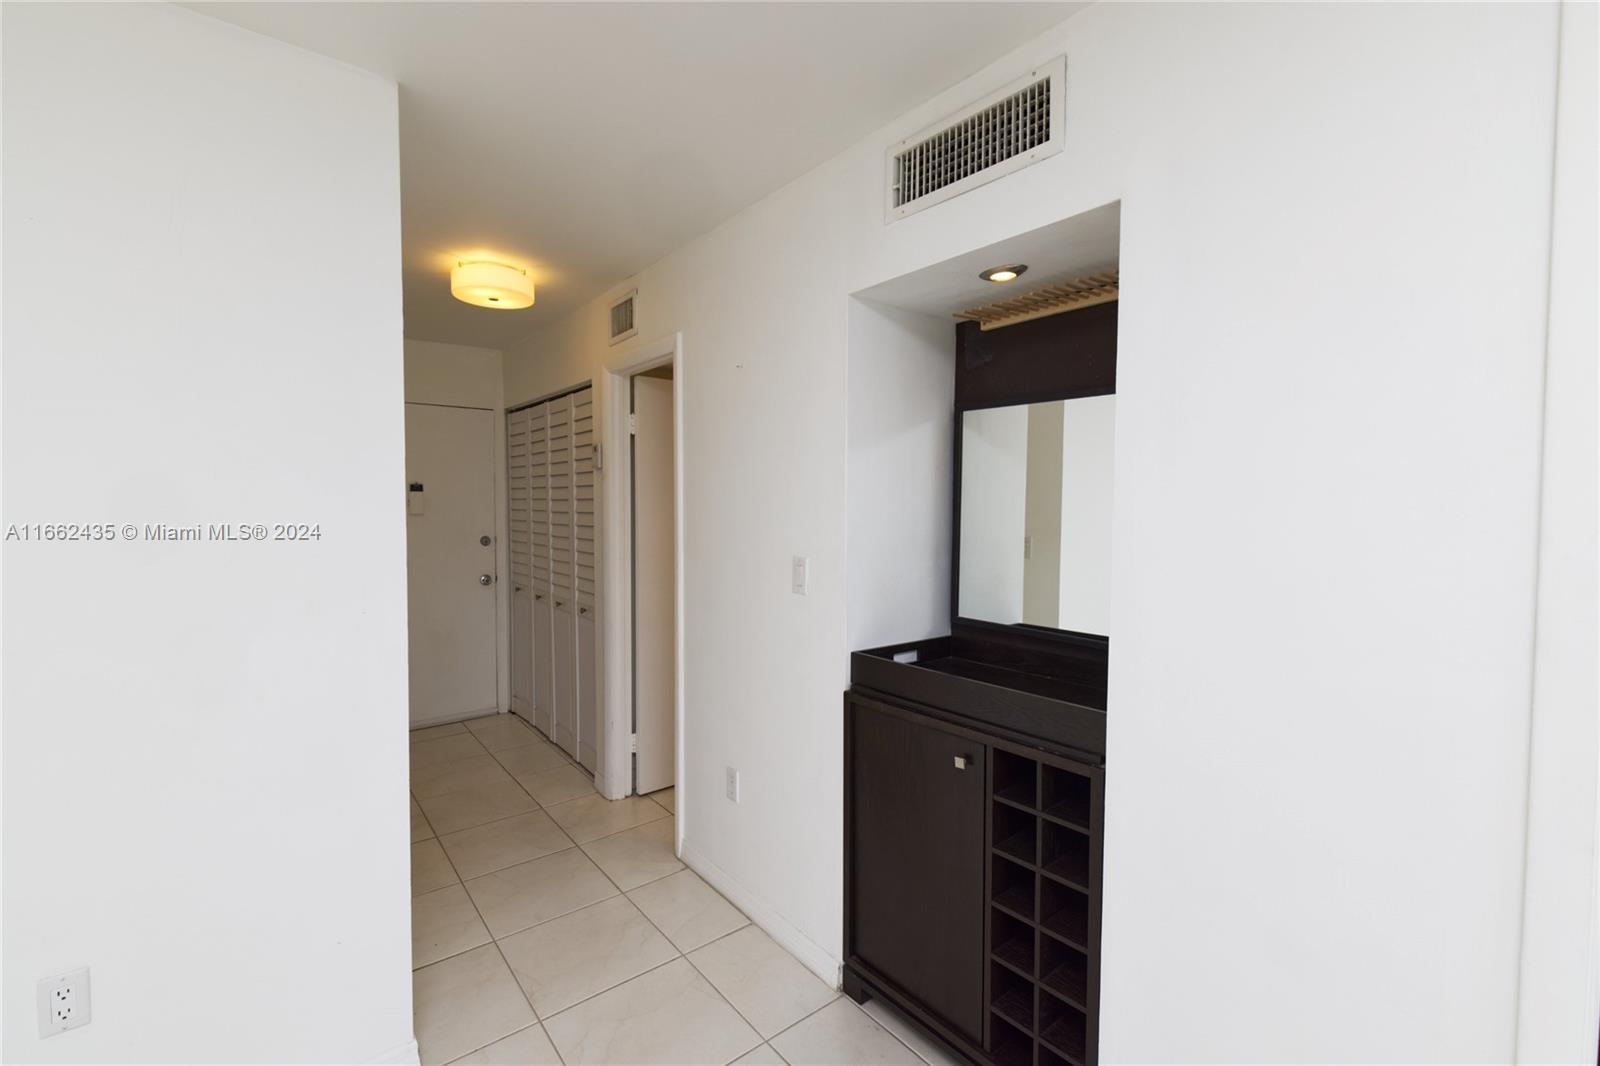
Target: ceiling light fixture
1005,273
485,283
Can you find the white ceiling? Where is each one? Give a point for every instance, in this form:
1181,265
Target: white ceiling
588,140
1086,243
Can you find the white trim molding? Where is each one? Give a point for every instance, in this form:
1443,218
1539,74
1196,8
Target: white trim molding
400,1055
615,654
813,956
1558,1009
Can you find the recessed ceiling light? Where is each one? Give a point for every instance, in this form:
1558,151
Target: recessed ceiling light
484,283
1004,273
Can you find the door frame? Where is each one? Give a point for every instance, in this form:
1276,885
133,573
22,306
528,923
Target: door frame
613,778
502,558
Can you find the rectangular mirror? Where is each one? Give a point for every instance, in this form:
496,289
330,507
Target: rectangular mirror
1035,529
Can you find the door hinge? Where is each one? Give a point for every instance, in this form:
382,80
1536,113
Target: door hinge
633,423
597,464
633,743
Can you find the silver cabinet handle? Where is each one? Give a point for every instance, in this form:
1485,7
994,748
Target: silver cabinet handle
961,762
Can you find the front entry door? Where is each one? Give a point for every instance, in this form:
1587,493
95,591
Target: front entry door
450,561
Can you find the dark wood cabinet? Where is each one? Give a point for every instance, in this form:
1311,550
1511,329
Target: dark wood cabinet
916,796
975,765
973,867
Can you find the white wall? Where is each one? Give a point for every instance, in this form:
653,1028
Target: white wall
1041,569
459,375
205,743
456,375
902,448
1560,1017
994,479
1335,225
1087,504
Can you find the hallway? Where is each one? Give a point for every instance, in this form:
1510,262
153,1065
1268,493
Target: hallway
550,925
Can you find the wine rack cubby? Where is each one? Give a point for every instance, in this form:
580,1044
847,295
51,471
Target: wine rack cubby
1043,909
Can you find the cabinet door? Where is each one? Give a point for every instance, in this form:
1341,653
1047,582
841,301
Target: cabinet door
917,859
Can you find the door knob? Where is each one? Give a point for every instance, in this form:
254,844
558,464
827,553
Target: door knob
484,540
485,579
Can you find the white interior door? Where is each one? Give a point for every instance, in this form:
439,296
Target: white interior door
539,565
519,541
450,571
564,667
583,572
654,584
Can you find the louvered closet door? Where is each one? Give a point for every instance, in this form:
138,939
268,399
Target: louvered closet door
563,618
583,545
539,565
519,536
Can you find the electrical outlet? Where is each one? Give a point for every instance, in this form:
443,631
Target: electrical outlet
63,1002
733,784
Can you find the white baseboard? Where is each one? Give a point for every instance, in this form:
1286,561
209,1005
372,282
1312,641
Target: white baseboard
447,718
817,959
400,1055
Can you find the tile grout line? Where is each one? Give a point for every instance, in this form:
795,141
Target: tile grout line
495,940
684,955
763,1040
484,922
679,953
536,858
503,961
767,1040
620,893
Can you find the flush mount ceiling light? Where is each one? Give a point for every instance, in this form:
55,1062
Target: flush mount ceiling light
485,283
1005,273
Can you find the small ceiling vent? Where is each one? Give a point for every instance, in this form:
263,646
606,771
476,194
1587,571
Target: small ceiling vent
1004,132
622,323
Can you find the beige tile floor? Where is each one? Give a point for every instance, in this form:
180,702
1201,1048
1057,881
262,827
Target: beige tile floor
550,925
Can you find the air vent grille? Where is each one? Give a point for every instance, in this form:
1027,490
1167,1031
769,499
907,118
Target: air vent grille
622,323
1016,124
1004,132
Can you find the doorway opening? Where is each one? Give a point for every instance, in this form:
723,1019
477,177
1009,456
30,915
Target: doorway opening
643,537
654,577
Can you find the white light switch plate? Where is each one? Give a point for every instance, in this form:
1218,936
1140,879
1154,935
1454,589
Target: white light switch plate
733,784
802,571
63,1002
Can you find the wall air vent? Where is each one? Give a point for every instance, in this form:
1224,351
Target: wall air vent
622,321
1004,132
